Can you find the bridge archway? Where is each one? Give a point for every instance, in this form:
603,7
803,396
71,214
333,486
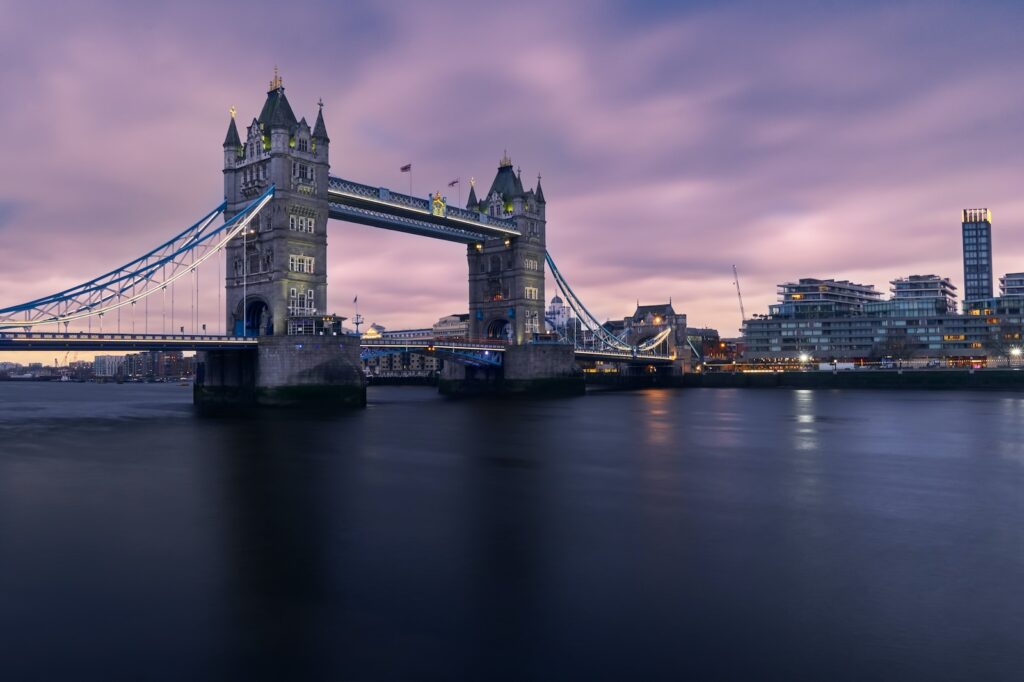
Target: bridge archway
258,319
500,330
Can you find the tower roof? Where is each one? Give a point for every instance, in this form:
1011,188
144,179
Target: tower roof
662,309
540,192
277,113
319,129
472,201
505,182
232,139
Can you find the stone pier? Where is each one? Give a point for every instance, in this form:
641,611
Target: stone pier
315,371
528,370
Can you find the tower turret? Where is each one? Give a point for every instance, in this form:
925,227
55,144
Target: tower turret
232,143
319,129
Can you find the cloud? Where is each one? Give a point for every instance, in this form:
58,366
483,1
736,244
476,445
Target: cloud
674,141
8,209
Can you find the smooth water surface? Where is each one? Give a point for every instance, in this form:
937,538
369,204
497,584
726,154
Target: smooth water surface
691,534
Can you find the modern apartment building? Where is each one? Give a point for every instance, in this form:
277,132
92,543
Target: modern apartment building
1012,284
919,320
977,240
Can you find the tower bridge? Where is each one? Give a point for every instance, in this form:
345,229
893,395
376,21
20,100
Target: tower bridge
279,345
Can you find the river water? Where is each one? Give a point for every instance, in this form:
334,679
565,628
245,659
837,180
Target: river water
688,534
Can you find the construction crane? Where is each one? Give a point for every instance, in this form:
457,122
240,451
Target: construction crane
739,294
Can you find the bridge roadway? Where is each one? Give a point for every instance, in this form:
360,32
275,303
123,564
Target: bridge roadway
115,342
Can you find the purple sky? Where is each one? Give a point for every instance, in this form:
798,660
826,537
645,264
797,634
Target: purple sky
811,140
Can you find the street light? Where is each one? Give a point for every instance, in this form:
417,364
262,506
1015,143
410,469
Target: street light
805,358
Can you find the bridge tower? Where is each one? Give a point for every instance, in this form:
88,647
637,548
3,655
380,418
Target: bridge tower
506,277
277,273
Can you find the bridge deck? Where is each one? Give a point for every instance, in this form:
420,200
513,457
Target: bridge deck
84,341
75,341
380,207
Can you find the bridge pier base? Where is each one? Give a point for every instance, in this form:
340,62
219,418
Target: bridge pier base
284,371
536,370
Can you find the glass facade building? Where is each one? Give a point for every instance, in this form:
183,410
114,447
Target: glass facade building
977,236
826,319
1012,284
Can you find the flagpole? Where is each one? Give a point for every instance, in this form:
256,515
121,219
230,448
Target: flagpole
407,168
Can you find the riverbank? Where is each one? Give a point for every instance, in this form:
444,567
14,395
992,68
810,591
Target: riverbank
941,379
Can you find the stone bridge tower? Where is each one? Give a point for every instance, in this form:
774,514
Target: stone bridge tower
279,267
506,277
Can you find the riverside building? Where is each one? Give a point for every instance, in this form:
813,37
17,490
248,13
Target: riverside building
1012,284
977,239
850,322
823,317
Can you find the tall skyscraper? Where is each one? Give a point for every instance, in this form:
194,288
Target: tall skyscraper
977,230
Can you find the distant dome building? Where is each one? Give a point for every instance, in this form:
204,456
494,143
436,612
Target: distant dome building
556,318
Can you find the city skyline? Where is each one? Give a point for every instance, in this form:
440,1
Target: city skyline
842,143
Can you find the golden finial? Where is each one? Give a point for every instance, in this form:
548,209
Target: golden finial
505,161
472,182
277,83
232,111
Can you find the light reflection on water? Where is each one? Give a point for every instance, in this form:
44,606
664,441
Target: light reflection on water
779,534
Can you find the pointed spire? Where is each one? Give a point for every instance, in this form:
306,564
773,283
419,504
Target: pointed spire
540,191
231,139
319,129
472,202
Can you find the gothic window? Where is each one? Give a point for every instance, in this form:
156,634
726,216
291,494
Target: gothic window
303,145
495,263
531,293
301,264
292,223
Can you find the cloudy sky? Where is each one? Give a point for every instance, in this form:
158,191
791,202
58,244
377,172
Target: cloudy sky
675,139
